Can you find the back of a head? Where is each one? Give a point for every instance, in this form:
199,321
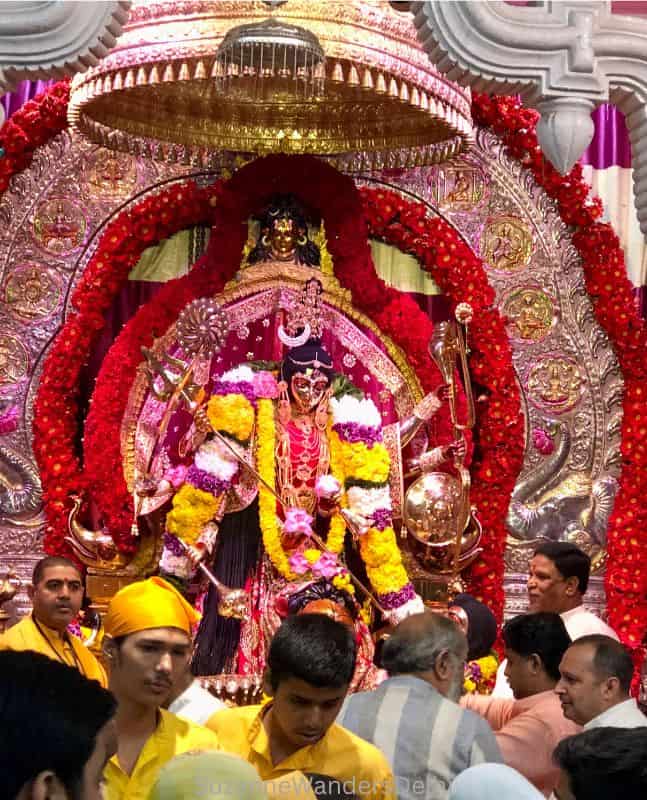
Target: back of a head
543,633
492,782
569,560
482,630
313,648
611,659
605,762
51,715
208,775
417,641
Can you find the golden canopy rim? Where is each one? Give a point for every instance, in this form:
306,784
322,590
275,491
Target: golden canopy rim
157,94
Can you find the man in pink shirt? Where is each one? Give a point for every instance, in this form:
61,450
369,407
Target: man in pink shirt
528,728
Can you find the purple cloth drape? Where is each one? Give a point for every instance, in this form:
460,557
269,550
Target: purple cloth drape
12,101
610,146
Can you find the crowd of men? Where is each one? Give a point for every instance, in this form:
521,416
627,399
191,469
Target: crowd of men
569,727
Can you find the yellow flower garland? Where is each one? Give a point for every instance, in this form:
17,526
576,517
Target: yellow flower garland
379,549
192,510
365,463
232,414
266,500
337,530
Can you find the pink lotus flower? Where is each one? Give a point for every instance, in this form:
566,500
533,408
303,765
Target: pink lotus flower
265,385
297,521
9,420
298,563
542,441
176,475
327,487
326,565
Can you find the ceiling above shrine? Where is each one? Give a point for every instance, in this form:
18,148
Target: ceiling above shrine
347,80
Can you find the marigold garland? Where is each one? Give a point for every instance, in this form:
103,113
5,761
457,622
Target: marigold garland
265,462
231,414
192,510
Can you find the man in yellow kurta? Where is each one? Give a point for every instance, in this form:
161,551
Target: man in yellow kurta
56,593
147,644
310,665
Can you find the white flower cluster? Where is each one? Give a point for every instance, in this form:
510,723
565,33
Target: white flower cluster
413,606
367,501
214,457
238,375
351,409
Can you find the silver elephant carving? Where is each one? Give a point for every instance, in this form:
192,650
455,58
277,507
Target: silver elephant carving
545,505
20,487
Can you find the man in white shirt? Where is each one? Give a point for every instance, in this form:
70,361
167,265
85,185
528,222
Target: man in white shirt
595,682
558,577
191,701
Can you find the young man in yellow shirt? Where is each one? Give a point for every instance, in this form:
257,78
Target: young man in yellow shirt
310,665
147,644
56,593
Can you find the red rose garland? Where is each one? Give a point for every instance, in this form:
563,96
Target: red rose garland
55,417
611,293
34,124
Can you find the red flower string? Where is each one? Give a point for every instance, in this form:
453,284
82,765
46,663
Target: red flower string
611,293
34,124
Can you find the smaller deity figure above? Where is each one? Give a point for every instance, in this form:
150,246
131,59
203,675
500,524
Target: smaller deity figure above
284,235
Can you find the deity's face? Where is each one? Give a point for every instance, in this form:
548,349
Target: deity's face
308,388
283,238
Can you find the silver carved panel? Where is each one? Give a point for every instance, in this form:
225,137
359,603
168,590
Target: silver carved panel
570,381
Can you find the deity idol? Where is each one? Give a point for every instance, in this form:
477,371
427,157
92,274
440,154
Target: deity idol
282,461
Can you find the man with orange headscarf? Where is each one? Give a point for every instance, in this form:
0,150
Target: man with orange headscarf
147,644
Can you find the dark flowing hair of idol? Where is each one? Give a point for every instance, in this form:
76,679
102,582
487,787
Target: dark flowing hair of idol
313,648
571,562
321,590
297,360
237,552
543,634
602,763
51,715
285,205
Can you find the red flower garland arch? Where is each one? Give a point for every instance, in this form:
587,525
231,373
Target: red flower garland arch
611,293
34,124
390,217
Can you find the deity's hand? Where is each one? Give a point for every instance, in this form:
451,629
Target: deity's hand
201,420
195,555
327,506
431,402
456,450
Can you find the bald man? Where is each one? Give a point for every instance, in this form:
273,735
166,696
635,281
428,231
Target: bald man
56,593
414,717
148,644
